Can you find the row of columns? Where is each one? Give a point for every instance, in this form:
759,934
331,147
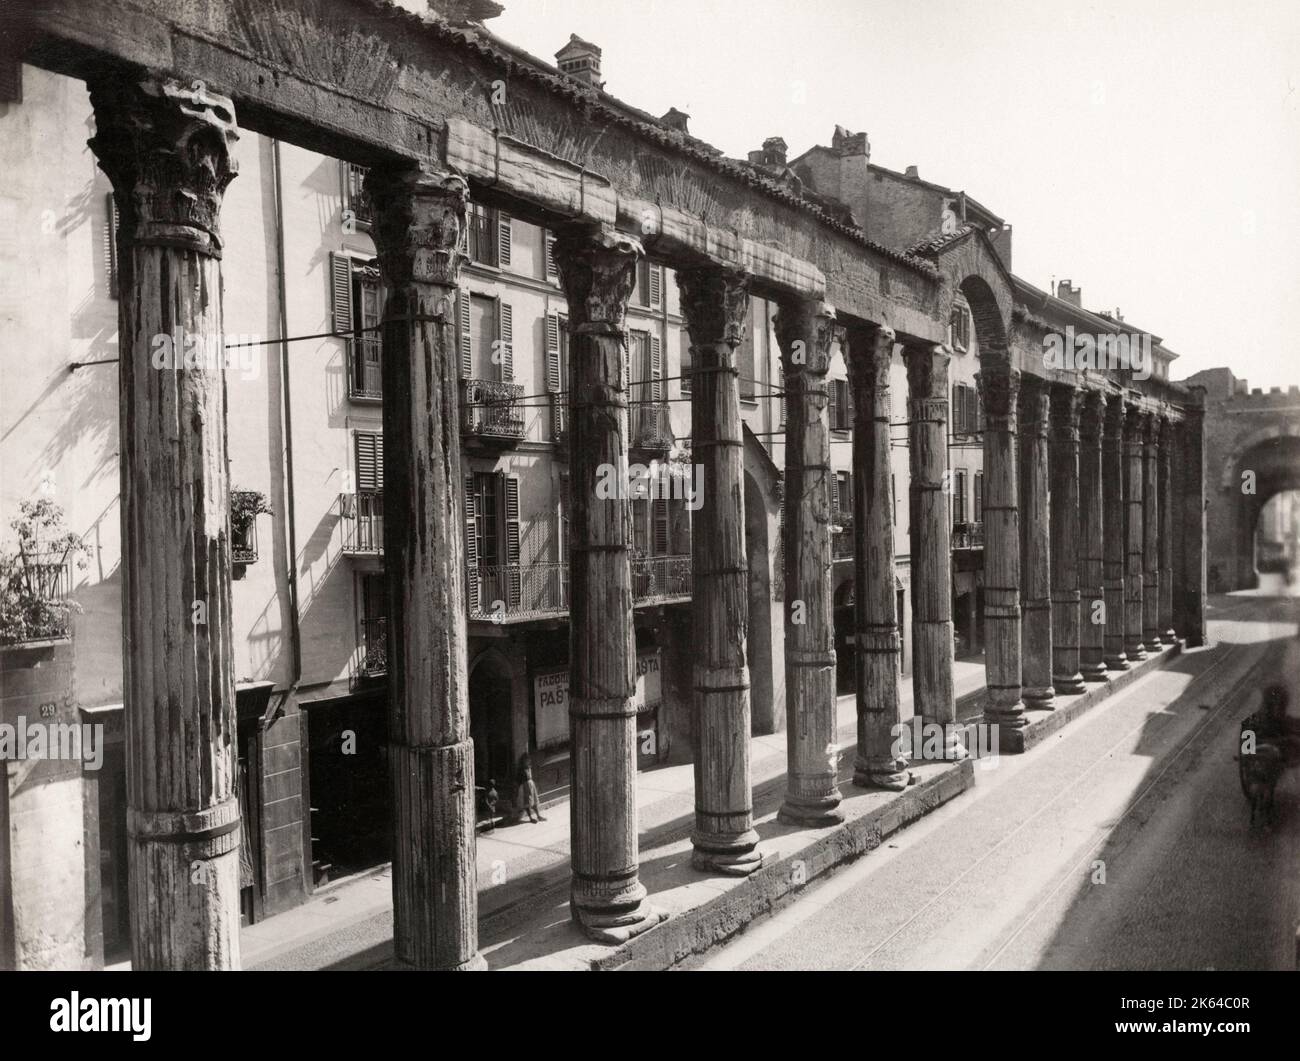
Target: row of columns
167,151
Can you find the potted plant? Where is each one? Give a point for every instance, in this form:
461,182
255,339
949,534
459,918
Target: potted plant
245,507
36,577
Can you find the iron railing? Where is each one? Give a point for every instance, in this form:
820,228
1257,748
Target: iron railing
968,535
651,427
365,376
523,591
364,528
374,647
659,577
492,409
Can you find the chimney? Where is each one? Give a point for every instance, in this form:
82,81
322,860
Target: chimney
772,153
580,60
854,152
911,174
676,119
846,143
1067,292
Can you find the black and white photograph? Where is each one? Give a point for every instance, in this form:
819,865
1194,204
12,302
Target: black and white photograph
710,486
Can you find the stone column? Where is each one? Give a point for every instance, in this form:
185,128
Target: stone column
1035,546
419,221
167,150
1133,461
931,542
715,303
598,268
804,330
1191,589
1114,522
879,761
1092,601
1168,532
999,387
1066,525
1151,532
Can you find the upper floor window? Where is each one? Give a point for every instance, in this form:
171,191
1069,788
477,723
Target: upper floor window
746,363
489,236
358,214
959,326
841,410
486,327
649,288
356,298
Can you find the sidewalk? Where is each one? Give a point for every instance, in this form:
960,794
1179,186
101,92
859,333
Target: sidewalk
523,870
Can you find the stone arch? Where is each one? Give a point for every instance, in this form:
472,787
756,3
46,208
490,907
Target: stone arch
1274,453
1234,462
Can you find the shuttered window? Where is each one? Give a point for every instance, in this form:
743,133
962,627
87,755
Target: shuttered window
745,354
552,270
656,368
686,361
370,460
959,497
473,591
506,340
557,370
505,234
464,334
978,514
341,293
514,576
111,220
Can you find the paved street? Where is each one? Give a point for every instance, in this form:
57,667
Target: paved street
1122,843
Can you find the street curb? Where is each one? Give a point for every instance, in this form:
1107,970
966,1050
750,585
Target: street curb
782,881
1013,742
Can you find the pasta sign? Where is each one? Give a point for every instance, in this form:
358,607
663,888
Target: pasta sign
551,698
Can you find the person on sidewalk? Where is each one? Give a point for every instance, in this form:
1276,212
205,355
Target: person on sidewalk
490,798
526,790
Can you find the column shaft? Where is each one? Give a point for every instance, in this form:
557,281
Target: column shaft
1035,546
1114,522
420,218
598,267
715,303
1168,531
1151,531
999,387
1133,515
167,151
931,542
1065,527
1092,601
804,330
880,760
1191,590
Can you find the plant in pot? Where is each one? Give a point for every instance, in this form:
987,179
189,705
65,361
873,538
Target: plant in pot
36,576
245,507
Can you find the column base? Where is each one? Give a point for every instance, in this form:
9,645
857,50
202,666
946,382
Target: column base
1136,653
887,776
809,812
1006,718
615,923
1152,642
1093,672
1119,662
1068,684
734,856
1169,636
476,964
1038,697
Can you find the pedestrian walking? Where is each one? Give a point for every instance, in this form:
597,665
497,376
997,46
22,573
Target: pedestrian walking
526,790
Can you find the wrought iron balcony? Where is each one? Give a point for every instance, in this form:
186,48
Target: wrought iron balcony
374,647
968,535
658,578
363,517
365,377
651,427
518,592
491,411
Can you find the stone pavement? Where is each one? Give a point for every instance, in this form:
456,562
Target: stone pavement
523,869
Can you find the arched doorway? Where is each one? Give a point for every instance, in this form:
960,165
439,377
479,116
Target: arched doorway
1263,475
490,704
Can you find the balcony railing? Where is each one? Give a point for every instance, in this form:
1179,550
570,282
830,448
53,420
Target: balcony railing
651,426
968,535
364,523
364,370
842,539
526,591
39,592
374,647
491,410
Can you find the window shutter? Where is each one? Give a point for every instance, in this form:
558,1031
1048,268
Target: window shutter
661,526
553,375
656,285
781,383
506,336
471,549
835,494
848,404
466,343
978,514
778,576
341,292
552,271
512,539
503,239
110,243
972,410
656,368
370,461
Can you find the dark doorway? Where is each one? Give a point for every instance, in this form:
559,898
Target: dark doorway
351,799
490,726
112,852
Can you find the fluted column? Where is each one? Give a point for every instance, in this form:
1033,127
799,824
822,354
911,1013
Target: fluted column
1114,524
419,222
1035,546
598,267
931,541
875,607
804,330
999,388
1168,531
167,150
715,303
1151,532
1134,458
1092,601
1065,527
1190,590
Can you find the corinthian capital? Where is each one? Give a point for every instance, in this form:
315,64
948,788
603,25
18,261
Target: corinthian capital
598,268
715,303
869,357
167,150
805,330
999,390
419,224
